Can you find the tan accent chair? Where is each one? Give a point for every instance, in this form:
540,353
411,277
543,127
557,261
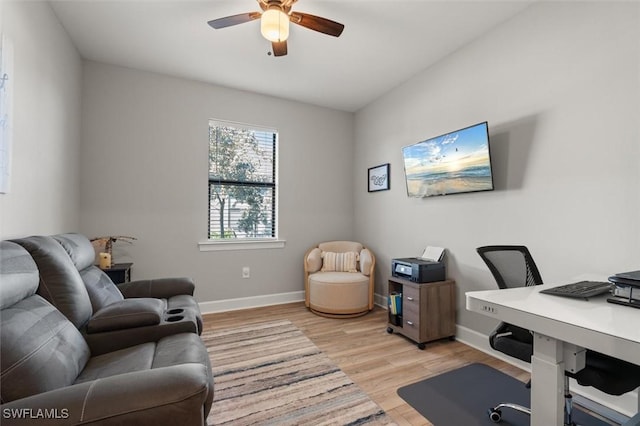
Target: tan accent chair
338,293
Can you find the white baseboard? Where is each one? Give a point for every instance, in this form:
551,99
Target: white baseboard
250,302
265,300
380,300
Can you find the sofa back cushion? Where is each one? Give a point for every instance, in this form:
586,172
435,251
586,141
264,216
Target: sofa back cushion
19,274
40,349
79,249
60,281
102,291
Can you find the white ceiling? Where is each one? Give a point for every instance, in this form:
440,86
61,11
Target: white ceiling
383,44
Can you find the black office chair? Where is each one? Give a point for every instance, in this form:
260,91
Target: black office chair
513,266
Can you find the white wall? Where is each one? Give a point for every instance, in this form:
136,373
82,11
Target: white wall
145,170
47,73
559,86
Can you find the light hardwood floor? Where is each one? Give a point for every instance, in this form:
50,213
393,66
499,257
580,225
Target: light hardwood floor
378,362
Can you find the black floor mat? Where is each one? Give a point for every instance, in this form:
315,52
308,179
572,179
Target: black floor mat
463,396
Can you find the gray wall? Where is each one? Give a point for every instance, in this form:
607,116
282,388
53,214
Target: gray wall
47,73
145,169
559,87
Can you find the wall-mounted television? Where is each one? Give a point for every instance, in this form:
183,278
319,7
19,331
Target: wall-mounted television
452,163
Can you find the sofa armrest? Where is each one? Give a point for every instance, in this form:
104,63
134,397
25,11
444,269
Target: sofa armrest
128,313
158,396
159,288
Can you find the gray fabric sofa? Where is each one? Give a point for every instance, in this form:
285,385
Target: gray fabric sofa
50,375
109,317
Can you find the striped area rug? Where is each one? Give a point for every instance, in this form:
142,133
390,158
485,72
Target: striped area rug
272,374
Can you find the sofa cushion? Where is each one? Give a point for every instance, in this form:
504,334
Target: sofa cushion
178,349
41,350
339,262
79,249
60,282
100,288
19,274
127,360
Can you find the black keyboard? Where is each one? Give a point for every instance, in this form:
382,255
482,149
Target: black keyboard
580,290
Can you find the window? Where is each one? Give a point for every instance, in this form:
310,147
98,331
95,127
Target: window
242,182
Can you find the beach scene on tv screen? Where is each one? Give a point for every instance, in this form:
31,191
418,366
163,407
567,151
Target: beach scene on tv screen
452,163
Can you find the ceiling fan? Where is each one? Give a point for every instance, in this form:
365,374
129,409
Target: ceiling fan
274,22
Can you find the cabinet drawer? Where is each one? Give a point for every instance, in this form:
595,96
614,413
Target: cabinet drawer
411,326
410,298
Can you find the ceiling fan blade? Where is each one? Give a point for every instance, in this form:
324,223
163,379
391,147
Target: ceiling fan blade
233,20
317,23
279,48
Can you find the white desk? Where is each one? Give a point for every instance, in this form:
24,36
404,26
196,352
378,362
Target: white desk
557,322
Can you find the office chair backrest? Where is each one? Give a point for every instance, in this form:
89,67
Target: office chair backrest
511,266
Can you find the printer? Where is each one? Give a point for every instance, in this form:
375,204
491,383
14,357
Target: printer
425,269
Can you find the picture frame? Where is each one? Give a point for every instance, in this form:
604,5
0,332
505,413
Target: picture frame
378,178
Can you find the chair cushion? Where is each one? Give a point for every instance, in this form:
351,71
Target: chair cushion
608,374
512,340
339,262
339,292
345,278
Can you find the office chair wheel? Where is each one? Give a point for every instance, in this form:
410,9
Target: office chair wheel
495,415
389,330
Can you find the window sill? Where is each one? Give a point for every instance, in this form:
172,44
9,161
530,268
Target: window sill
240,245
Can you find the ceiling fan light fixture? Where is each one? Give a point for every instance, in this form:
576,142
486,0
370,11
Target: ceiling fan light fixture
274,25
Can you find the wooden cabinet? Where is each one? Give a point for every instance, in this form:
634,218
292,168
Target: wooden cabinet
427,312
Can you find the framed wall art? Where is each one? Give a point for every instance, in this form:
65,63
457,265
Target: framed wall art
378,178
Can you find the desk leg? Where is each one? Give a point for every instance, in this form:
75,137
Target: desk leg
547,382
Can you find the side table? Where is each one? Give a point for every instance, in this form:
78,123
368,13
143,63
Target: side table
119,272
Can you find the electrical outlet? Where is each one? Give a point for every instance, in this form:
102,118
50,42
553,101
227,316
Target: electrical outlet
246,272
